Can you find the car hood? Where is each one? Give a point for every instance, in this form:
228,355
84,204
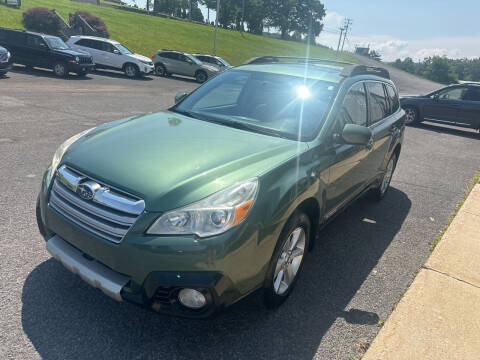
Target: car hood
140,57
72,52
170,160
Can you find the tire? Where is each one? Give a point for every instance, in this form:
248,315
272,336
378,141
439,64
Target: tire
411,115
278,284
131,71
160,70
60,69
382,189
201,76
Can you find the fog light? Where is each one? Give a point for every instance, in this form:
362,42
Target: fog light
191,298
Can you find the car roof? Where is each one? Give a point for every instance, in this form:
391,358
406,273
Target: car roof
24,31
94,38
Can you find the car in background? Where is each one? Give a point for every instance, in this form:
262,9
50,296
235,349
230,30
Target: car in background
457,105
217,61
16,3
168,62
5,61
112,55
45,51
222,194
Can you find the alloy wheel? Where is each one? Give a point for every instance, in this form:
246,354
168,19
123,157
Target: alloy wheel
130,71
410,115
59,69
289,261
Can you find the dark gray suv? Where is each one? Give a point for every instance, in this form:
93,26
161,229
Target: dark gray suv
168,62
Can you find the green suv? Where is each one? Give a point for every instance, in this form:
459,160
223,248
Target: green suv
191,209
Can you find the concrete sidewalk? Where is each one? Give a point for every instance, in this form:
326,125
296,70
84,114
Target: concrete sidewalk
439,315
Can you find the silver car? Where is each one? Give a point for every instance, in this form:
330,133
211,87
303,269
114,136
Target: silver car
217,61
5,61
168,62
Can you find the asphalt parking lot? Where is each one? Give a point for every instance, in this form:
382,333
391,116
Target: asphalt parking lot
363,261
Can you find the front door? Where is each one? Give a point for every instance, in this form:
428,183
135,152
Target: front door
444,105
349,173
38,51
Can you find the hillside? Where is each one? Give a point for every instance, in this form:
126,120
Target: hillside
145,34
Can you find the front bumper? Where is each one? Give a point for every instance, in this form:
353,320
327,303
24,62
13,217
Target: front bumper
5,66
146,69
224,268
80,68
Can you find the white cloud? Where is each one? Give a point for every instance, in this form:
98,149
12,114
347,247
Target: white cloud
391,48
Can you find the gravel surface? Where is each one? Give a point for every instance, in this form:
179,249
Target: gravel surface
364,259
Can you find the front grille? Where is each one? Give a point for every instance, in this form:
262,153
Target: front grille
85,60
108,215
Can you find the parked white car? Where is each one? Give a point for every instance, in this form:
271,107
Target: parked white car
112,55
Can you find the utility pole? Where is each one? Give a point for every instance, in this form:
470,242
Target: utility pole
339,40
216,29
348,22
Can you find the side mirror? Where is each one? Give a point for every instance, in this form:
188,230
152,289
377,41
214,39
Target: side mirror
436,97
356,134
180,96
116,52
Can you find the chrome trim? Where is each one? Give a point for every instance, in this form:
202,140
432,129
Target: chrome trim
447,122
101,194
91,271
69,178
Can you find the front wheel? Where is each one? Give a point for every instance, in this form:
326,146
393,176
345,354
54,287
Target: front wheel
411,115
380,191
131,71
287,260
60,69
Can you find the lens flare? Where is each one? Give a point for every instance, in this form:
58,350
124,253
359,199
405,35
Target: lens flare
303,92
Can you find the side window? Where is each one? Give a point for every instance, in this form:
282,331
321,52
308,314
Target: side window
35,41
378,102
451,94
354,107
471,95
84,42
3,35
174,56
393,96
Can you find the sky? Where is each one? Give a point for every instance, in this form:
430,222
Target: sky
397,29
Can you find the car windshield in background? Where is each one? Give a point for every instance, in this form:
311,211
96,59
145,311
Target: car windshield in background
123,50
273,104
224,62
56,43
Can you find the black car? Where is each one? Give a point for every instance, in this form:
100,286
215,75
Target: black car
45,51
454,105
5,61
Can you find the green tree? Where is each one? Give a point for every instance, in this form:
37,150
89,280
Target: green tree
438,69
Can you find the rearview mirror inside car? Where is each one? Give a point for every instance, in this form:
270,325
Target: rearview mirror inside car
356,134
180,96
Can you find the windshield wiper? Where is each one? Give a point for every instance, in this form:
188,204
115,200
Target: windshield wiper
187,113
259,129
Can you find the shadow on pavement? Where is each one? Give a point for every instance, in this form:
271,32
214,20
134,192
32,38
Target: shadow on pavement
46,73
65,318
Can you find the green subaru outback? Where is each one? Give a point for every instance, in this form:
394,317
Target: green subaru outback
188,210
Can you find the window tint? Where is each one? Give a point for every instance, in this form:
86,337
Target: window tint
354,107
394,102
451,94
378,102
84,42
35,41
471,95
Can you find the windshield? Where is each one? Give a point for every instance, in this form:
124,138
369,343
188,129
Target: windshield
56,43
223,61
123,50
273,104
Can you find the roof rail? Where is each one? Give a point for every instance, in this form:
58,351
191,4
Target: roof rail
292,59
354,70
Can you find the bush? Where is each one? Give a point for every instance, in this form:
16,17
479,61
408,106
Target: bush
95,22
41,20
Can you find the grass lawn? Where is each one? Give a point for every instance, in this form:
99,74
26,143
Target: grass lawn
145,34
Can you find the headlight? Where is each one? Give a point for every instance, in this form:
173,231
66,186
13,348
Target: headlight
8,55
211,216
57,157
77,59
147,62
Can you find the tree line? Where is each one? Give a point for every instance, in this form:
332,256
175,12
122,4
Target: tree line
299,20
442,69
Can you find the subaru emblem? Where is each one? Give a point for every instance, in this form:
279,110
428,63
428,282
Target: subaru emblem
85,191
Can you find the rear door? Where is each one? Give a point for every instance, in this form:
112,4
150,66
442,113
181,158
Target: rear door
382,120
16,43
444,106
469,110
349,174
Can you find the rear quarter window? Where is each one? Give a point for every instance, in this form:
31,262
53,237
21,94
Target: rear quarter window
393,97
